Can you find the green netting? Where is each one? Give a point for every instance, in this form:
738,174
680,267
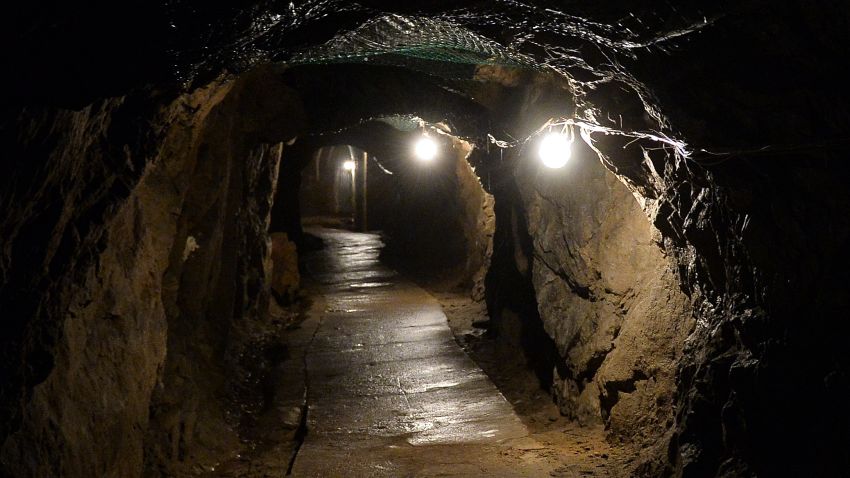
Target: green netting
401,122
414,42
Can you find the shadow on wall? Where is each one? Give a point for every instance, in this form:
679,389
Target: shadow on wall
608,296
511,300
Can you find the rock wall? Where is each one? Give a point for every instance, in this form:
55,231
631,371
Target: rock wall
612,316
91,248
478,225
608,295
218,277
682,341
286,279
756,230
143,244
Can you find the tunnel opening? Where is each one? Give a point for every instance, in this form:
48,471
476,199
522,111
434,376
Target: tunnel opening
434,246
335,191
437,222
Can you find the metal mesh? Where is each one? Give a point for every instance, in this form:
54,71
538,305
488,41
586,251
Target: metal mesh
402,122
414,42
593,47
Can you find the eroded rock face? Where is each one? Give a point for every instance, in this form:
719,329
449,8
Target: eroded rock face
607,294
478,224
154,244
285,277
218,276
101,316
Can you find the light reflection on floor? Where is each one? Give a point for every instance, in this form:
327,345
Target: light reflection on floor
385,371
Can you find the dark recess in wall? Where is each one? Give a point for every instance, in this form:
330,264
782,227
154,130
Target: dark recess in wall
510,294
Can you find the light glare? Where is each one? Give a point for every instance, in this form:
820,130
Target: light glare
555,150
426,149
348,165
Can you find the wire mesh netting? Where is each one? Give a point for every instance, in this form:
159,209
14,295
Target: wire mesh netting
596,48
409,41
443,47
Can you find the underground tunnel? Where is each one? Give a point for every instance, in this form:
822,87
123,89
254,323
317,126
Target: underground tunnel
328,238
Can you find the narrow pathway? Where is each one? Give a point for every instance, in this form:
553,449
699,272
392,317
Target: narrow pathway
390,393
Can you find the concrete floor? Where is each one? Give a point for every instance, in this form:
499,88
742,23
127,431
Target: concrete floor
390,393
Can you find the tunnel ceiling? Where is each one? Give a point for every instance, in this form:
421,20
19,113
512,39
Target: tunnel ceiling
625,62
428,45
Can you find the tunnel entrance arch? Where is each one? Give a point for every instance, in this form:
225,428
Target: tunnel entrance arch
220,158
290,111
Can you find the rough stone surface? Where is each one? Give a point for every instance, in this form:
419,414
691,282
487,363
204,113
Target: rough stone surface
479,224
130,250
608,296
580,245
213,291
101,327
285,277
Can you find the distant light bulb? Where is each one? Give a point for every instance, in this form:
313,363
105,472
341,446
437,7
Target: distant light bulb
555,150
348,165
425,149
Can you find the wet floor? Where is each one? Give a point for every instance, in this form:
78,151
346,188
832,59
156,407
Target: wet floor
390,393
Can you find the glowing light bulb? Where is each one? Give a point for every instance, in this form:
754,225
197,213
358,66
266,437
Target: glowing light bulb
348,165
425,149
555,150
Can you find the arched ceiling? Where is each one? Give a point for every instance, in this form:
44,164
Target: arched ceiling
654,67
